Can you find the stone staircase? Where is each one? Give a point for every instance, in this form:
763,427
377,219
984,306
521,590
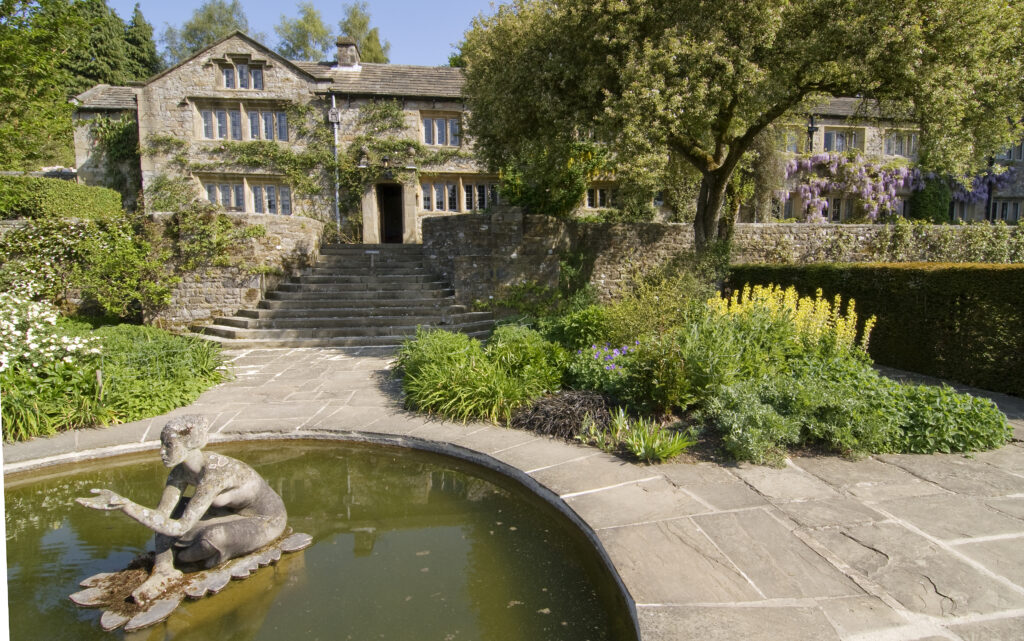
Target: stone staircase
357,296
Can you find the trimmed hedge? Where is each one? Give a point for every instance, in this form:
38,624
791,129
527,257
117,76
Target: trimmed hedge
957,321
31,197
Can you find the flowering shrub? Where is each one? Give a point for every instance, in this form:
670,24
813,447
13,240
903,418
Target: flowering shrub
30,339
599,368
816,322
874,184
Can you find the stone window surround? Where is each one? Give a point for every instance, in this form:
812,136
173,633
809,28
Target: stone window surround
599,196
454,191
237,63
838,139
284,196
1007,209
901,143
245,108
451,130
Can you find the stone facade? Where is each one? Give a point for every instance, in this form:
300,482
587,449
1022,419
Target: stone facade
291,244
239,90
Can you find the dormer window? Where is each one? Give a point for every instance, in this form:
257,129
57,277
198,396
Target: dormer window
241,75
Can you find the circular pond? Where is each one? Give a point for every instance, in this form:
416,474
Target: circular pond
407,546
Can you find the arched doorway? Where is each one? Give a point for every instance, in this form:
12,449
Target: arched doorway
389,212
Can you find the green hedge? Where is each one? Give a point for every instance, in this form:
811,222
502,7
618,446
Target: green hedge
963,322
30,197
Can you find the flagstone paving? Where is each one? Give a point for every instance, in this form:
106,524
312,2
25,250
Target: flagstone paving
889,548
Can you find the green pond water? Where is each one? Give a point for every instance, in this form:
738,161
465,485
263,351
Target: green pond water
407,546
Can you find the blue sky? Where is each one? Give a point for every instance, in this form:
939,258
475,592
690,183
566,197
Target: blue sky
421,33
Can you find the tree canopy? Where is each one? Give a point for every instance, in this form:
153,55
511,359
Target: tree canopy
143,59
210,22
660,82
356,25
305,37
36,38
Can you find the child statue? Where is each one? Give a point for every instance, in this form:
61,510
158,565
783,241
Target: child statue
232,513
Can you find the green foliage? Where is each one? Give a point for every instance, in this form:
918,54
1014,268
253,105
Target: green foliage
118,145
36,37
356,25
141,372
644,439
305,37
203,236
29,197
939,419
523,353
101,55
904,241
548,180
211,21
452,375
957,322
697,82
932,203
143,59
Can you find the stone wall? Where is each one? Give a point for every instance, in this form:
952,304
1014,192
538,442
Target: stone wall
482,253
291,244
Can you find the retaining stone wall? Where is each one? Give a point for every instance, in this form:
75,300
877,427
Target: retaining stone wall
291,244
481,253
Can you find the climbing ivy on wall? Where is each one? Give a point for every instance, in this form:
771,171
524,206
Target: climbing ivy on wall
381,149
118,144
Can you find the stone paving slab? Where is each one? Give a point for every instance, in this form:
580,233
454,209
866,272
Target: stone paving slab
778,563
893,548
675,563
633,504
964,516
738,623
922,576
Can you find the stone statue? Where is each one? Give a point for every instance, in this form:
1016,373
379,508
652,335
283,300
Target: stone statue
232,513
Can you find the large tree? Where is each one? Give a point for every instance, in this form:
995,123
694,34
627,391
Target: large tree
305,37
356,25
695,82
213,20
102,55
36,38
143,59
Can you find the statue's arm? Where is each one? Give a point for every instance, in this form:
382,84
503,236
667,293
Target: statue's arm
173,490
161,523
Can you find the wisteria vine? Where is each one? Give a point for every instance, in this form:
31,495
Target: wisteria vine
876,185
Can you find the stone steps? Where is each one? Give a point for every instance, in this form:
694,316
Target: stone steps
357,296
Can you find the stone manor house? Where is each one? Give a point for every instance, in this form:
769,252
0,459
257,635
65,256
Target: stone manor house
239,90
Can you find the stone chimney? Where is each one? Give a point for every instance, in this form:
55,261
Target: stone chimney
348,53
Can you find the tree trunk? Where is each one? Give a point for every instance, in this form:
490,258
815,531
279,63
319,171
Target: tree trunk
709,209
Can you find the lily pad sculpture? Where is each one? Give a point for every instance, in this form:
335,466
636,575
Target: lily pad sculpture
231,526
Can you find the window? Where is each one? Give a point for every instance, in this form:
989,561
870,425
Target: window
835,209
1007,210
207,123
272,199
901,143
443,131
841,140
792,141
282,125
600,197
222,123
254,125
268,124
230,196
241,75
236,124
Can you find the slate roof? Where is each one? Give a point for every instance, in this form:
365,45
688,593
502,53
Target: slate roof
106,98
376,79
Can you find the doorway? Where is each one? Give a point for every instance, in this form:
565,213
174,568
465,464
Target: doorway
389,210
